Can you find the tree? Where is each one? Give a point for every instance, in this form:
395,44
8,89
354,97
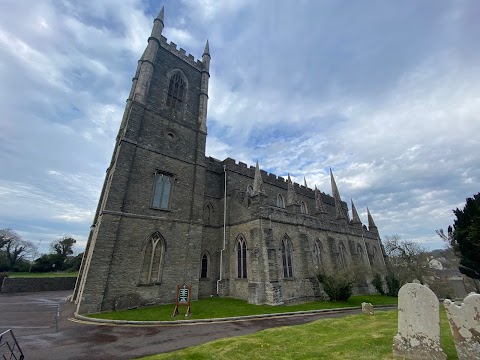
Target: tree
408,260
63,246
464,238
14,247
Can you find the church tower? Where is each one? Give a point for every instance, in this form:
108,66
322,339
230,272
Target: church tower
147,231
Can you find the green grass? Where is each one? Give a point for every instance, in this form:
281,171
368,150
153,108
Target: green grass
227,307
42,275
356,337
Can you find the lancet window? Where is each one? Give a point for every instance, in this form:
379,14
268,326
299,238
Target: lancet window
303,208
280,201
287,258
163,187
207,214
153,257
205,266
241,257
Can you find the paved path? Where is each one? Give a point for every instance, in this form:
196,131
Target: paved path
42,323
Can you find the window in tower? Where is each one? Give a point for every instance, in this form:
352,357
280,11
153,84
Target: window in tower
207,214
280,201
176,91
163,187
153,257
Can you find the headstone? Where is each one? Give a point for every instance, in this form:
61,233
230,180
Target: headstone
367,308
465,326
418,324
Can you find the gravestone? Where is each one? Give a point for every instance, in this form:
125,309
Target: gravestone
465,326
367,308
418,324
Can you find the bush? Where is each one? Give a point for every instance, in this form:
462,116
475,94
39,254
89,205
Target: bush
337,287
378,283
393,285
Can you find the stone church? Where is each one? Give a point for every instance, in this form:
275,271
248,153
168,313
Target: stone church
170,215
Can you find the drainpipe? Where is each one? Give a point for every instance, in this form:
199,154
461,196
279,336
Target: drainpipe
224,225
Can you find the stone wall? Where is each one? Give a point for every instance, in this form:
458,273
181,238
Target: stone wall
14,285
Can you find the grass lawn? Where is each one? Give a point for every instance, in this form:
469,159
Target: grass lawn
226,307
42,275
354,337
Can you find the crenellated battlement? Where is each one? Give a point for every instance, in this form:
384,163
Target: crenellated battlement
181,53
268,178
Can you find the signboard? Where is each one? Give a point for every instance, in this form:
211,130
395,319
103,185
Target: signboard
184,293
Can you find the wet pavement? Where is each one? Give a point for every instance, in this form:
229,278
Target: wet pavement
45,329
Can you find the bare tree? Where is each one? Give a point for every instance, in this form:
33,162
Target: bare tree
14,246
408,259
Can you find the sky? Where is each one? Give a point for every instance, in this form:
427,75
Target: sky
386,93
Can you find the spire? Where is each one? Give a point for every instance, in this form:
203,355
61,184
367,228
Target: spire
291,196
206,51
371,223
355,217
340,211
158,25
305,182
161,14
257,180
319,208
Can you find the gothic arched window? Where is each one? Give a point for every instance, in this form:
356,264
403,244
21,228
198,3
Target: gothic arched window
207,214
176,91
303,208
163,187
287,258
153,257
205,266
241,257
280,201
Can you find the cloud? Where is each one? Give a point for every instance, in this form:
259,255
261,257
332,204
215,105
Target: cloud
384,93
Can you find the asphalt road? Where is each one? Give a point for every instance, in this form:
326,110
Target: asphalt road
45,329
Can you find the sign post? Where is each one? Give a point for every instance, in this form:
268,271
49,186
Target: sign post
184,293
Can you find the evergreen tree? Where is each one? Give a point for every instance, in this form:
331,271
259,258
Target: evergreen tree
466,237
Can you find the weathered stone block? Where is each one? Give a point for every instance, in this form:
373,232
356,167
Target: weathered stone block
367,308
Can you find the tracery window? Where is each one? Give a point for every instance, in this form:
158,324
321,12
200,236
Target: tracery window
176,91
163,187
287,258
205,265
303,208
241,257
153,257
280,201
